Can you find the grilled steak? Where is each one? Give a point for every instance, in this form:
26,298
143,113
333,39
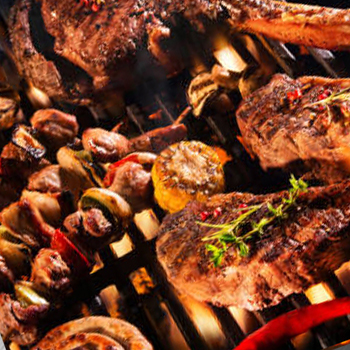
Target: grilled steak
292,255
70,52
294,124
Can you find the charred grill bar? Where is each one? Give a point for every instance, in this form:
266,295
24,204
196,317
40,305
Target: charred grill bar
160,310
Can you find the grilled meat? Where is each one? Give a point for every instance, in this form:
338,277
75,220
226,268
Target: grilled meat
10,191
109,147
81,226
55,128
157,140
73,223
17,163
97,333
75,53
50,273
18,324
131,179
95,223
26,223
48,179
291,256
133,182
7,277
105,146
292,124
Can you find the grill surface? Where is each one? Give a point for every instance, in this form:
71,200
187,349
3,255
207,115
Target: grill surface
168,319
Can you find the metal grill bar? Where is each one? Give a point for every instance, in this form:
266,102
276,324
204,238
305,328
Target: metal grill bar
116,271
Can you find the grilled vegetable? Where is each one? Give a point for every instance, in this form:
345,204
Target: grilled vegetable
25,222
26,295
94,332
186,171
143,158
113,207
283,328
70,253
80,164
22,138
10,112
47,204
16,254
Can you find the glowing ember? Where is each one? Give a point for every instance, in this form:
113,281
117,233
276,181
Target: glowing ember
227,56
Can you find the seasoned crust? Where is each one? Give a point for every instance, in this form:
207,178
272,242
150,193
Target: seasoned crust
290,257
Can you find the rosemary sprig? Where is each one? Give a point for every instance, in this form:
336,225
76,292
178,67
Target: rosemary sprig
243,229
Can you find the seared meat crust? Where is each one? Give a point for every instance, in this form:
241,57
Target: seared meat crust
50,273
290,257
292,135
19,324
77,52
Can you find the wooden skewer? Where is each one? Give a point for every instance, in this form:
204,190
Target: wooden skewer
183,115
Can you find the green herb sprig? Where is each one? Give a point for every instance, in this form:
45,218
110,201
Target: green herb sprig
240,231
338,99
335,98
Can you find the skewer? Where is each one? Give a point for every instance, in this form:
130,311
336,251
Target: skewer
184,114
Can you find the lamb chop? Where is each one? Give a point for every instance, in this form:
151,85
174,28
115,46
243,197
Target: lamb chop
300,125
293,253
73,53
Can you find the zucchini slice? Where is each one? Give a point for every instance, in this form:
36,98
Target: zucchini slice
113,207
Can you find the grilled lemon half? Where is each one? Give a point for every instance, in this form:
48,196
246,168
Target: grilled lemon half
186,171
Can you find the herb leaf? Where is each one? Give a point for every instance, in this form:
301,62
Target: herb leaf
243,229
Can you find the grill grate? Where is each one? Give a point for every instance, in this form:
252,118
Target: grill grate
167,318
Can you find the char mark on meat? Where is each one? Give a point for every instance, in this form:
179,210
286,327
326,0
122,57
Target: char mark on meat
19,324
289,124
77,53
291,256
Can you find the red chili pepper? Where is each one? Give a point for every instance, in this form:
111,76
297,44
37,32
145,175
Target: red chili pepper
326,93
204,215
242,206
294,95
84,2
283,328
217,212
95,7
70,253
109,178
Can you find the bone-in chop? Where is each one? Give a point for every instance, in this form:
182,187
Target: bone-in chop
71,52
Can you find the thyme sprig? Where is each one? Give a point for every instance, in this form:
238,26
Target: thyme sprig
336,98
241,230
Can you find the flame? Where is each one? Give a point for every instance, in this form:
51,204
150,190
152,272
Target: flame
319,294
122,247
142,281
343,275
205,320
227,56
223,155
147,222
245,319
38,98
110,297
